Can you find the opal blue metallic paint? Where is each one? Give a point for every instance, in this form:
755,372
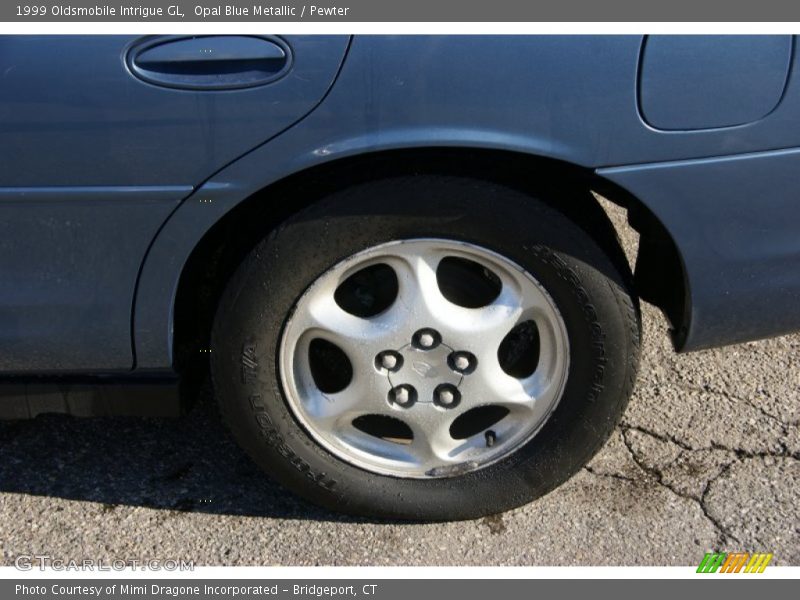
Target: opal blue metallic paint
71,113
575,99
707,82
93,162
736,221
69,257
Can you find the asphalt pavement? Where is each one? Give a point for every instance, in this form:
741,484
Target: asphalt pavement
707,457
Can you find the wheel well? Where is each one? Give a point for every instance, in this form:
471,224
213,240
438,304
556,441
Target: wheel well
659,272
564,185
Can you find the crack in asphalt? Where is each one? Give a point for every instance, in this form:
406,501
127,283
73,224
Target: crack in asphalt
713,445
663,437
656,474
618,476
723,534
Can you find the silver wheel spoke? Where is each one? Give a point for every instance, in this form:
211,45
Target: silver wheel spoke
360,397
464,327
432,442
333,410
358,337
418,290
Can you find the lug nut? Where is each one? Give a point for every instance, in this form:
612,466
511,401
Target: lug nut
462,362
402,395
426,339
389,360
446,396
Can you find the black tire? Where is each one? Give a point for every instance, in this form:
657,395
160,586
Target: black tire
590,287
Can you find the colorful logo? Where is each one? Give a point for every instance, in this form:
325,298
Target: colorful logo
735,562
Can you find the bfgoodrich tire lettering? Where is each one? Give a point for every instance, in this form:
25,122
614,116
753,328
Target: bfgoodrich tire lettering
588,287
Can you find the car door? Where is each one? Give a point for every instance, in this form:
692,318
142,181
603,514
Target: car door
101,137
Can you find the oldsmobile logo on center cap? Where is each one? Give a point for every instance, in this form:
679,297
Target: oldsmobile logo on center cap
424,369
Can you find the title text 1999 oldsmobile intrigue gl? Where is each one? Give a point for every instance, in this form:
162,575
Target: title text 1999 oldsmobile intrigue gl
386,251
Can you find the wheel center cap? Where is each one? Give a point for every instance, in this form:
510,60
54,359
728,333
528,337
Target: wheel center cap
425,370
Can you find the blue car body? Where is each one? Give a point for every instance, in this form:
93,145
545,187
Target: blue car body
115,169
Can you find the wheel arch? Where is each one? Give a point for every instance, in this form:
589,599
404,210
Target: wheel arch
565,185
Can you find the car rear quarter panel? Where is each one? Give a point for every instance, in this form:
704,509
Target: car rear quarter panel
571,98
568,98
